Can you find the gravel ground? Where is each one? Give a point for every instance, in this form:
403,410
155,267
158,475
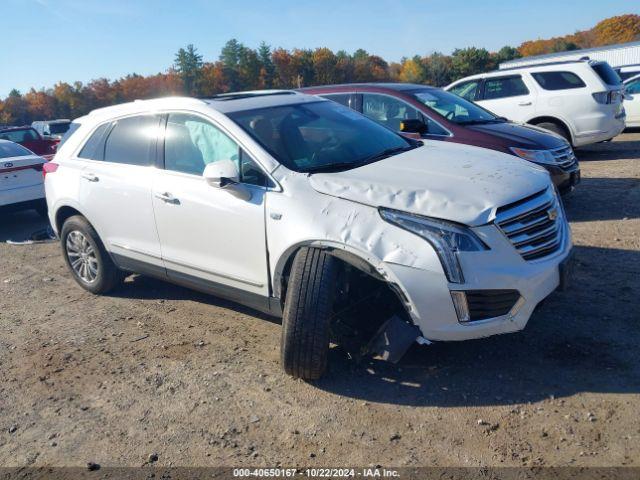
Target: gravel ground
155,368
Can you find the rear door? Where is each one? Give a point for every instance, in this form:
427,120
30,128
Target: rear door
509,96
115,186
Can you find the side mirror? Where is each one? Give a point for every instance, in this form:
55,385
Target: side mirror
221,174
414,125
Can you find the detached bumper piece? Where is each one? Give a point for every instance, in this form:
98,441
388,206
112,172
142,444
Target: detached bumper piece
476,305
393,339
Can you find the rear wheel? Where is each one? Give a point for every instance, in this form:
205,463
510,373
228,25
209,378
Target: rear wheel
86,257
307,314
557,129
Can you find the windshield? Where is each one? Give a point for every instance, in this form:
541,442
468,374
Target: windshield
320,136
454,108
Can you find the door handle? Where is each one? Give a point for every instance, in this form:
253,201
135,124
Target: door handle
90,177
524,104
167,198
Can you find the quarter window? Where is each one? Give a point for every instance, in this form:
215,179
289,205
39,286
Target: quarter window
466,90
558,80
132,141
94,147
503,87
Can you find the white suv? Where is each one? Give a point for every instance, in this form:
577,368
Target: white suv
302,208
580,100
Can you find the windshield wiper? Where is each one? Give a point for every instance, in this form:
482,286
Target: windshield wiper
338,166
481,121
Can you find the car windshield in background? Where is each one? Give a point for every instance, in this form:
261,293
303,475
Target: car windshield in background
606,73
454,108
8,150
320,137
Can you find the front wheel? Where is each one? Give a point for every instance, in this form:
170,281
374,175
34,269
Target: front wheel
557,129
86,257
307,314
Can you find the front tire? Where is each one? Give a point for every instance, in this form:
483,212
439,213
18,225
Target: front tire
557,129
86,257
307,314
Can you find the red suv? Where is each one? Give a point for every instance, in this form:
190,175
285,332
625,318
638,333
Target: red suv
435,114
29,138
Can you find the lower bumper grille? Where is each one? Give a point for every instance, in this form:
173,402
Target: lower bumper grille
484,304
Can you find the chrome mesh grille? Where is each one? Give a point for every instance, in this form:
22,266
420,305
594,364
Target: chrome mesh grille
534,225
564,156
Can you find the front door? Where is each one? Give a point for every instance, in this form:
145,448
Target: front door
209,236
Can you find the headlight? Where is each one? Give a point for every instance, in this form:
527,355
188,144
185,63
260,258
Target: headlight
447,238
535,156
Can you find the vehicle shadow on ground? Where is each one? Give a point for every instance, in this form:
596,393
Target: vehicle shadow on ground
621,149
584,339
20,226
599,194
141,287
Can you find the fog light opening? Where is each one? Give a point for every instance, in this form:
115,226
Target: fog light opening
460,303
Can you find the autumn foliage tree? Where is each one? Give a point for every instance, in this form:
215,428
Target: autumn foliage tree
240,67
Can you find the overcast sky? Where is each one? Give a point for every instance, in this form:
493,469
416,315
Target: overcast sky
45,41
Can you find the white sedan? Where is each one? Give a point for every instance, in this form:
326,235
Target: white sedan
632,101
21,183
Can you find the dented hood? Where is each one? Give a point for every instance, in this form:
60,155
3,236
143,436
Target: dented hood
444,180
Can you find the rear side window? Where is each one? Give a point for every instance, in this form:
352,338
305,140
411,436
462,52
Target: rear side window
94,147
503,87
466,90
341,98
132,141
558,80
8,150
606,73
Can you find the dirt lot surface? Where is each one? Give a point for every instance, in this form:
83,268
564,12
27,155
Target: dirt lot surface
155,368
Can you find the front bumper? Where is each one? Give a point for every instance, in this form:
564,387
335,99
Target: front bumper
501,268
565,180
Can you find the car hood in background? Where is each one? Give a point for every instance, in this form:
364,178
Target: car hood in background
443,180
522,136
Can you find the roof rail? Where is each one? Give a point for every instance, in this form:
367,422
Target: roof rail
544,64
249,94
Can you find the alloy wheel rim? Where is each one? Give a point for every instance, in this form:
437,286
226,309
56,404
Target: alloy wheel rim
82,256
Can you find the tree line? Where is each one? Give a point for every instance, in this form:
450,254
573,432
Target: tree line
243,68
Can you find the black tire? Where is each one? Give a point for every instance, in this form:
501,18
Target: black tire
107,275
557,129
41,209
307,314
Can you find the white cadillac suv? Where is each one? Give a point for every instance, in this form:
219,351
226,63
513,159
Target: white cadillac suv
304,209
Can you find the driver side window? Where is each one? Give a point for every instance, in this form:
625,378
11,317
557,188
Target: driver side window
633,87
191,143
388,111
